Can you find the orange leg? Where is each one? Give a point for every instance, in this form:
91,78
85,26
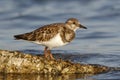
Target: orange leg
47,53
50,55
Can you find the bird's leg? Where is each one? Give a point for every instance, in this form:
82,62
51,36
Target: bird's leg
50,55
46,54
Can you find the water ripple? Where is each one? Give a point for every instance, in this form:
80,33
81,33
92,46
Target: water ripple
97,35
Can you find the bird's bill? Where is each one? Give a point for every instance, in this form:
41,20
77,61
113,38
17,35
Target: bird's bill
81,26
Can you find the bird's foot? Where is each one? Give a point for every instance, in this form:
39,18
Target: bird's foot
51,56
48,55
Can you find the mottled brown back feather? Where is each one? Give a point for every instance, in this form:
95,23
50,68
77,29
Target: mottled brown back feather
43,33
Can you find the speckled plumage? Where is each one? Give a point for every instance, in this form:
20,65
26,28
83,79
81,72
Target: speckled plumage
53,35
47,32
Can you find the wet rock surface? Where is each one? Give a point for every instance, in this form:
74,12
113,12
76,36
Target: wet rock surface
18,62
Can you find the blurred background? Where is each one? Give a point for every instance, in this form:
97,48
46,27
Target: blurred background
99,44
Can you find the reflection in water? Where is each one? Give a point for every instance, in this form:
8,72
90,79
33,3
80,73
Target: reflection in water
43,77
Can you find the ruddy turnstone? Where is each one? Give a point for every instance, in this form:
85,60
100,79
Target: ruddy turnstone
53,35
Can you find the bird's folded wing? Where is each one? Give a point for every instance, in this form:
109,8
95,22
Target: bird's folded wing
43,33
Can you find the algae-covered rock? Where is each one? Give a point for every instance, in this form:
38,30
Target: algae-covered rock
17,62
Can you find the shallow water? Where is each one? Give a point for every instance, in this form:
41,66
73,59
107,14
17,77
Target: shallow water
99,44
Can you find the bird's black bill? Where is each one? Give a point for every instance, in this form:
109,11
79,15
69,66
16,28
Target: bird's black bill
81,26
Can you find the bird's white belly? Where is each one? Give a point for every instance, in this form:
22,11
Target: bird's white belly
54,42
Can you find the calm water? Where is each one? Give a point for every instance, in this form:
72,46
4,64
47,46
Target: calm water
99,44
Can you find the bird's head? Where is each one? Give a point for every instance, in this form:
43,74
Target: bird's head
74,24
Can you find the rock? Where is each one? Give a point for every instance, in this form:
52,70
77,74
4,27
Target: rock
17,62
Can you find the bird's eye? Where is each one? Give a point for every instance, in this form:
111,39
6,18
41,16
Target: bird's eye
73,22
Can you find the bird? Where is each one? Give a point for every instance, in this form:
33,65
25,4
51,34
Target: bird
52,35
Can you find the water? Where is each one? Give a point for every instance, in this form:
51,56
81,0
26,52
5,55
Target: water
99,44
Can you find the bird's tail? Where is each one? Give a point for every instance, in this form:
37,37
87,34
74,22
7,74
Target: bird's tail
17,37
22,36
26,36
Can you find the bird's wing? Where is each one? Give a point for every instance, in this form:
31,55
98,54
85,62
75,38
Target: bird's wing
46,32
43,33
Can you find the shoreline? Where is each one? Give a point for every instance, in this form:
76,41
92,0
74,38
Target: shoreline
18,62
